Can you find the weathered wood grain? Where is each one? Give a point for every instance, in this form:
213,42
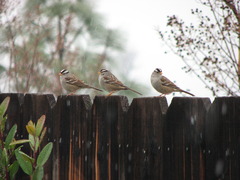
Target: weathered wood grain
191,139
222,138
144,138
183,131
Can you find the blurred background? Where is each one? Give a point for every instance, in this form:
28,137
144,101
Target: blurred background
195,43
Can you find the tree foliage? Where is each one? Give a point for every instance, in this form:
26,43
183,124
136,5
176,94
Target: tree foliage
211,48
46,36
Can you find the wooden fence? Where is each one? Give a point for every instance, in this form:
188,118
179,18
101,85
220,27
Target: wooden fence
191,139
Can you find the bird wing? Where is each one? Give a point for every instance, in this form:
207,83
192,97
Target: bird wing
113,81
73,80
166,82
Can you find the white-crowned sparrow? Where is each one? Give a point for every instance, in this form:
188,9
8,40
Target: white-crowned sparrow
163,84
71,83
110,83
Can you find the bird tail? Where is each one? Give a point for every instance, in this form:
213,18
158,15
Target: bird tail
96,88
187,92
134,91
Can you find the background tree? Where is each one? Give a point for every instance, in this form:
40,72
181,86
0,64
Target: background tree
211,48
46,36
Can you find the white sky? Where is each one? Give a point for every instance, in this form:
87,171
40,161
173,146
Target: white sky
138,19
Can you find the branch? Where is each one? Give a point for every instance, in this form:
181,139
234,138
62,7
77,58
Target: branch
230,4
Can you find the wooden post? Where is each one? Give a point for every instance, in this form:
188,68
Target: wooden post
144,138
71,134
108,114
183,158
222,136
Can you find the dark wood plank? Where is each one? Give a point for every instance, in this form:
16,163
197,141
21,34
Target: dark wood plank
108,113
71,134
222,136
56,131
144,138
183,131
87,137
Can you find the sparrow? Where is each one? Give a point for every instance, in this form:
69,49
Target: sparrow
163,84
110,83
71,83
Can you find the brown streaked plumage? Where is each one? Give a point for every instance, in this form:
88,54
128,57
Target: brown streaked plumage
71,83
163,84
110,83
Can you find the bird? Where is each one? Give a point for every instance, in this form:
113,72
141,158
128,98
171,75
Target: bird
110,83
71,83
163,84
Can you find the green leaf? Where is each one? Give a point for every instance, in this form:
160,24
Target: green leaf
3,109
4,106
40,124
38,173
31,141
13,169
21,141
36,144
10,136
27,157
24,164
4,157
44,154
2,123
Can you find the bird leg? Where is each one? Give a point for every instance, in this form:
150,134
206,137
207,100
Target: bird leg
162,95
111,93
71,93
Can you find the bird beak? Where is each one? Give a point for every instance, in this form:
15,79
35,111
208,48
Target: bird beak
99,73
60,74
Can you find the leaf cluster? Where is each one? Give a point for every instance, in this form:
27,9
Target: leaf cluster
11,156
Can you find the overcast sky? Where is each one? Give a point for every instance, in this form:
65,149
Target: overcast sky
138,19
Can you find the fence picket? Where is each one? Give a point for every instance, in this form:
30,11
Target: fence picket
183,138
145,118
108,115
222,138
